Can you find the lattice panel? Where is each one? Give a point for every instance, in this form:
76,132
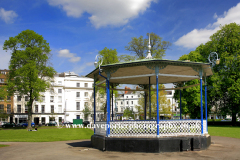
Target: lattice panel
149,128
133,128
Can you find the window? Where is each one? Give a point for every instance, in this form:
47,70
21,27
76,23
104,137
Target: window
8,98
59,108
1,99
59,99
59,82
78,85
85,104
121,102
26,109
18,108
77,94
59,90
85,94
1,107
3,72
36,108
116,103
8,108
26,98
116,109
78,117
52,108
127,102
43,120
77,105
131,102
132,96
121,109
19,98
51,98
127,96
1,80
43,108
85,84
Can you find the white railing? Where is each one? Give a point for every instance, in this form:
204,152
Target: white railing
100,128
149,128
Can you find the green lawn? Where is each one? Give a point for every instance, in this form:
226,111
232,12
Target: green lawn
3,145
45,135
224,131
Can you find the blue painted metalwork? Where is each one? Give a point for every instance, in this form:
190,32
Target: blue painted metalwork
108,107
112,102
149,95
145,105
201,104
180,104
157,71
206,103
94,104
108,102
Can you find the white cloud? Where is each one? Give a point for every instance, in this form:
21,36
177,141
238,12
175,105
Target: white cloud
7,16
104,12
82,68
198,36
66,53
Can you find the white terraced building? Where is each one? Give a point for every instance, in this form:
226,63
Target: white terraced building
130,100
65,101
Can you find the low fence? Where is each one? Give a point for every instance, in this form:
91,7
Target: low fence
149,128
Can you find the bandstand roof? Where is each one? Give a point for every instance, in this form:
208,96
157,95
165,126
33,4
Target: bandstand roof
139,71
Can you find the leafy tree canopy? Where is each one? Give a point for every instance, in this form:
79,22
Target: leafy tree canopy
29,66
139,46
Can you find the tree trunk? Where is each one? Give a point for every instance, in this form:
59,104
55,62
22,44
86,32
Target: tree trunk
234,115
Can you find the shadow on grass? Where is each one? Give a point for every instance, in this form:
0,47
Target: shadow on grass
81,144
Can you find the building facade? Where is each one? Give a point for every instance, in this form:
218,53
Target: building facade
66,100
6,102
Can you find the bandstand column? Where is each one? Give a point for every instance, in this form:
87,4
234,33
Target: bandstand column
206,103
112,101
94,103
180,104
149,95
157,71
108,105
201,102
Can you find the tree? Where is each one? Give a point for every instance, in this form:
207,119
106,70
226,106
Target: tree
139,46
190,97
109,56
224,84
226,78
164,104
128,113
30,72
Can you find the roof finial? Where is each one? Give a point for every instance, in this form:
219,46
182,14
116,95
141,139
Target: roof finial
149,56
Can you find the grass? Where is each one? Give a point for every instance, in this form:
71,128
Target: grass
3,145
45,134
224,131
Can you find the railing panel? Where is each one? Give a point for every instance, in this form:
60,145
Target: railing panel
149,128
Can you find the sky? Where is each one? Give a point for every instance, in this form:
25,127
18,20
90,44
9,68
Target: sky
77,30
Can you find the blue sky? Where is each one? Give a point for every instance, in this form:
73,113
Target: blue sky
77,29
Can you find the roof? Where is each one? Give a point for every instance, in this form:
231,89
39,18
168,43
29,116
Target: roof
139,71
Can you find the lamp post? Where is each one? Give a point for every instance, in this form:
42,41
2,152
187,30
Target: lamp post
213,61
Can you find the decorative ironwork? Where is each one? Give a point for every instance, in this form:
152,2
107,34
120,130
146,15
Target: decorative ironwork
154,65
110,70
149,128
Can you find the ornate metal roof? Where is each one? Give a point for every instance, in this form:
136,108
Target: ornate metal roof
139,71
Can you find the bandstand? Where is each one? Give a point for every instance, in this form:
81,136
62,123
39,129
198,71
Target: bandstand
151,135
